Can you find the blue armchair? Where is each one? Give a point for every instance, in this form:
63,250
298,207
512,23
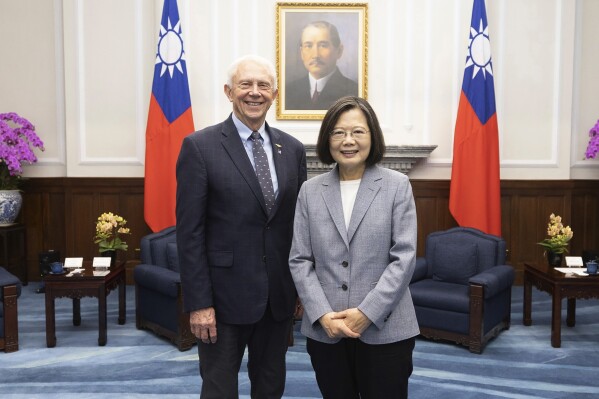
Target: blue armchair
158,296
10,290
462,288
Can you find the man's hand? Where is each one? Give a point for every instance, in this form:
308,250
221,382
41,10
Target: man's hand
335,327
354,319
203,324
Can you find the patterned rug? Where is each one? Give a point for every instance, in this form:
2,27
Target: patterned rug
519,364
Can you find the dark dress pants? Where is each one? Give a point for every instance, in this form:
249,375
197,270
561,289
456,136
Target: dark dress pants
266,341
352,369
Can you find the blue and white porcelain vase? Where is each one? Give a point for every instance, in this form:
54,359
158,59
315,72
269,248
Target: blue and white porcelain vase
10,206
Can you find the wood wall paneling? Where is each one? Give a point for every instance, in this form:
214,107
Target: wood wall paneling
60,214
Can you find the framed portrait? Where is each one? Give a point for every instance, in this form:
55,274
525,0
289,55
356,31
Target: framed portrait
322,55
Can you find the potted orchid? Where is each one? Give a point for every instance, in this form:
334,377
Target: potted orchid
17,141
593,146
558,238
109,228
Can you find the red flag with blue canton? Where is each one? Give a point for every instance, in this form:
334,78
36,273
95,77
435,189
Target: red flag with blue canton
474,198
169,121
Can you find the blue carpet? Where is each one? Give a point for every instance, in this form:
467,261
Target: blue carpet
519,364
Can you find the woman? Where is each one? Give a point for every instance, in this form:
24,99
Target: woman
352,258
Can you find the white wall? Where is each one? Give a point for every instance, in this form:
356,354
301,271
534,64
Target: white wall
81,71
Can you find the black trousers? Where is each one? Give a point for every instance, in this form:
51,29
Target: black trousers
352,369
266,342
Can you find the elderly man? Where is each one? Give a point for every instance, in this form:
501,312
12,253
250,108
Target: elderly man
237,185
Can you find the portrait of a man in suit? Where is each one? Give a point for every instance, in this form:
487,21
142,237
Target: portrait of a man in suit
320,48
322,55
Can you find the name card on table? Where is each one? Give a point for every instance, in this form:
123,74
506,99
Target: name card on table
73,262
574,261
101,261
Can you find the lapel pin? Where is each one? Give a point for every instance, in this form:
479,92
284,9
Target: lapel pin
279,146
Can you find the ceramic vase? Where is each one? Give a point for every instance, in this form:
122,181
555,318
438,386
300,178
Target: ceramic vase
554,259
591,267
10,206
111,253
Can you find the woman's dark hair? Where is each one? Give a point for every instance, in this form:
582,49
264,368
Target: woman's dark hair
344,104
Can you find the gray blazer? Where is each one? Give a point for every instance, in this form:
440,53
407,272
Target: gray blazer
368,266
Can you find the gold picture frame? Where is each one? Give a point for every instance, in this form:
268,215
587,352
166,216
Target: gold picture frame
345,66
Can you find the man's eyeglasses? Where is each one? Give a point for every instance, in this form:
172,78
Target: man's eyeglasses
356,134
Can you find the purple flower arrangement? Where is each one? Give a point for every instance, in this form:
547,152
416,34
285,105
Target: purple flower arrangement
593,146
17,137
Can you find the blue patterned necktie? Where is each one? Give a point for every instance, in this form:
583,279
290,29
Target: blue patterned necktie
263,171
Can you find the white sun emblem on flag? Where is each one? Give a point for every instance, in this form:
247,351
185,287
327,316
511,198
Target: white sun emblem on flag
170,48
479,51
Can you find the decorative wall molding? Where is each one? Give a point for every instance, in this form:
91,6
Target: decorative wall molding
401,158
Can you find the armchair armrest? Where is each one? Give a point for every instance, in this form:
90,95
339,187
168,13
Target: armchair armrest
495,279
157,278
420,271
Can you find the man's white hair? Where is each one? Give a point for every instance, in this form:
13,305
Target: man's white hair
252,58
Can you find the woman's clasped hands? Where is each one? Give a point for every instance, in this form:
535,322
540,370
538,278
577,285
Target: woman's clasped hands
349,323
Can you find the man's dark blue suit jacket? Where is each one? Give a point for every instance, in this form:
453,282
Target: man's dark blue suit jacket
233,256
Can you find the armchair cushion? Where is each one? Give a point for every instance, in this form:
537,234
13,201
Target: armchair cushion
455,264
153,247
172,256
159,279
441,295
420,271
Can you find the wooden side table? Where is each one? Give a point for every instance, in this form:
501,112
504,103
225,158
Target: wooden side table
76,287
559,286
14,250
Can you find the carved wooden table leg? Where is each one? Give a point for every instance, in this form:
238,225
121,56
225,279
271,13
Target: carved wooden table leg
556,319
122,301
50,320
571,315
527,317
102,316
77,312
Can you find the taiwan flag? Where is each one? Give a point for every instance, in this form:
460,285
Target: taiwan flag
474,198
169,121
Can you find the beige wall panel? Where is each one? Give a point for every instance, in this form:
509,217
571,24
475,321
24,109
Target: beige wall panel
108,63
110,67
202,45
529,91
586,86
443,78
31,79
84,76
